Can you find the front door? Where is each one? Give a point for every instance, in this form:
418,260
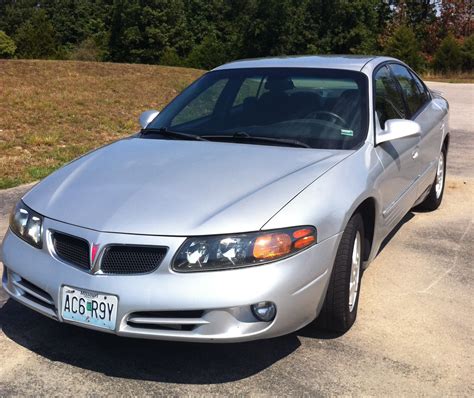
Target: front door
400,158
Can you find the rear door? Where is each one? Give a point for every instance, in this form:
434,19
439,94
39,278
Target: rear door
429,116
400,158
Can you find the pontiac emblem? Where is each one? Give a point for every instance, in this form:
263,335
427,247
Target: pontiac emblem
94,251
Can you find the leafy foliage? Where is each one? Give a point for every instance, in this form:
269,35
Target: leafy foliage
208,54
204,33
404,46
7,45
467,52
35,38
448,57
88,50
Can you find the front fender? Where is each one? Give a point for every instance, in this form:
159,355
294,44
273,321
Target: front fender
330,201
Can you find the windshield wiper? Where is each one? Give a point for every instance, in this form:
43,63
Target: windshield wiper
244,136
173,134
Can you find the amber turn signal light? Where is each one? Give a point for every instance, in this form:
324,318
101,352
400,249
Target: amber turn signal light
305,241
299,233
273,245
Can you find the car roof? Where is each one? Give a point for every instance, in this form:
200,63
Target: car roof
348,62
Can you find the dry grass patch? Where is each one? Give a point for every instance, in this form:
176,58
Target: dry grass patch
54,111
460,77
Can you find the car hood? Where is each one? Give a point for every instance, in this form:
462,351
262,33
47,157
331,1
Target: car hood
178,188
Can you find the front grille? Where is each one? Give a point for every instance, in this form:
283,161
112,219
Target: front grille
71,249
132,259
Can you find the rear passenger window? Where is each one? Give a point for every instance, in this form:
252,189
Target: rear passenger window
425,96
388,98
415,98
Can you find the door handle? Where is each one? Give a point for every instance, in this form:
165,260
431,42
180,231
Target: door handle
414,154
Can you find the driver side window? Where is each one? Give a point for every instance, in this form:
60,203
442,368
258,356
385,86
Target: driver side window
388,97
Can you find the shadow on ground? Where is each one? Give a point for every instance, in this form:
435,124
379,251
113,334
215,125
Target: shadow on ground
169,362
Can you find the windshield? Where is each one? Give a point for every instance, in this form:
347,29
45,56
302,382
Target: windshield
318,108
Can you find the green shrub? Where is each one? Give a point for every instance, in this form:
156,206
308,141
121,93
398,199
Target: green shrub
467,53
207,55
88,50
7,45
448,57
35,38
404,46
170,57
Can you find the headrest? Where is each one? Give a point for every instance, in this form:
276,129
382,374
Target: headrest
350,94
279,84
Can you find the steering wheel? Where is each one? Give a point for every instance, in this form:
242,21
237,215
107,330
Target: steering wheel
335,117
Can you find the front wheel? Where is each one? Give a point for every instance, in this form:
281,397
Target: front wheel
342,298
435,196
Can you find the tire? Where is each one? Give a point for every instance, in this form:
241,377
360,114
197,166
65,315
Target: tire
435,196
340,306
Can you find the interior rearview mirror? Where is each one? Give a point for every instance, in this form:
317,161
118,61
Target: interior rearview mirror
147,117
398,128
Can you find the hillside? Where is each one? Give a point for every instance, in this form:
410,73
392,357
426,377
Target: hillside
54,111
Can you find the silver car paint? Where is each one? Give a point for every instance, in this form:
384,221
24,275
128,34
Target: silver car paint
149,182
203,188
296,284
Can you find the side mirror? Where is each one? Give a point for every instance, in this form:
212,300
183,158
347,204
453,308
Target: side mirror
146,118
398,128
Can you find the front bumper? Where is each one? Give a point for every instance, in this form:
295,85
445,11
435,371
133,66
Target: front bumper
296,285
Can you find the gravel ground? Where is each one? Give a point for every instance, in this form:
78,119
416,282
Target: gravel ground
413,336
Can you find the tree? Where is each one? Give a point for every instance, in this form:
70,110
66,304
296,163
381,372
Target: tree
448,57
76,20
404,46
7,45
419,15
203,33
207,55
467,52
35,38
273,27
454,18
14,12
170,57
141,30
347,27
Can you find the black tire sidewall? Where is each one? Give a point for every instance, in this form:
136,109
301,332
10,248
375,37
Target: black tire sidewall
431,202
440,199
335,315
359,226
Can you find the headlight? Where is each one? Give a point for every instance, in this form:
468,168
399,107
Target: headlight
27,224
212,253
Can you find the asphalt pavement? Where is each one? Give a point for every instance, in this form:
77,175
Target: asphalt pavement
413,336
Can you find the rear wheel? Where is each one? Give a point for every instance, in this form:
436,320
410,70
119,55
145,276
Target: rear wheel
342,298
435,196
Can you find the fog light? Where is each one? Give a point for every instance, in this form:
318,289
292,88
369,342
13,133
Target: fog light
264,311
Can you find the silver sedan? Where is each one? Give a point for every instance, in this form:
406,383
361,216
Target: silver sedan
246,209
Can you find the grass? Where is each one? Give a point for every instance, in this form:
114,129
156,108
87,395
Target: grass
461,77
53,111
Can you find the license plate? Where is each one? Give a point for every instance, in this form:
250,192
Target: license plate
87,307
